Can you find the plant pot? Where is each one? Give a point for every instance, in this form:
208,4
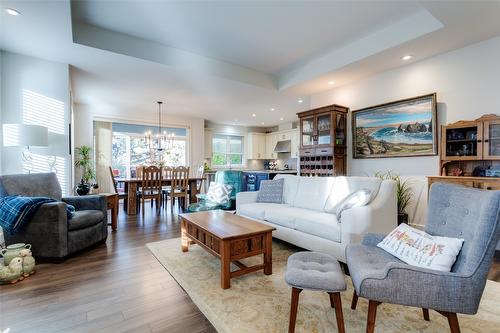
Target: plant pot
402,218
82,189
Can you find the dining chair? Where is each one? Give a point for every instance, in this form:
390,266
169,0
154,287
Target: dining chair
121,192
199,172
166,174
179,186
139,170
151,186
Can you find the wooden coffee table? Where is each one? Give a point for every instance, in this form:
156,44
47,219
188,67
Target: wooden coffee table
231,238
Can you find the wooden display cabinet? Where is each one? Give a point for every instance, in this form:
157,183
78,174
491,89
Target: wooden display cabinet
323,141
466,145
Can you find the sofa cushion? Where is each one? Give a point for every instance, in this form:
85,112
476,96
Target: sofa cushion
85,218
319,224
344,186
289,187
284,215
255,210
312,192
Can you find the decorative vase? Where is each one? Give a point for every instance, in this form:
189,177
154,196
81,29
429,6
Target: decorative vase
12,251
402,218
82,188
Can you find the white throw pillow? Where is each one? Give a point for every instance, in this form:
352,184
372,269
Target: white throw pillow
418,248
219,193
358,198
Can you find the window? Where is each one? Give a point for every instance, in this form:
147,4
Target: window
129,147
227,150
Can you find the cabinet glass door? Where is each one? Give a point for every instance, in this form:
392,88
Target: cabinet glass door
462,142
307,126
324,129
340,131
492,140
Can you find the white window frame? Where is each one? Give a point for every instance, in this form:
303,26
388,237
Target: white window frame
228,152
128,136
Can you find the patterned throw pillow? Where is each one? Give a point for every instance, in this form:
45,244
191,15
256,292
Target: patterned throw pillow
418,248
219,193
271,191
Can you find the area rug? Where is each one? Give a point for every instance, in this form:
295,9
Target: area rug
260,303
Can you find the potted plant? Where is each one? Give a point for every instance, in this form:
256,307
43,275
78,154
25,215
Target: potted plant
84,162
403,194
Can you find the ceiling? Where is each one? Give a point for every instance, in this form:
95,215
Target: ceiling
225,61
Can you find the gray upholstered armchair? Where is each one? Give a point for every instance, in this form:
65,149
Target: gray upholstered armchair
53,237
454,211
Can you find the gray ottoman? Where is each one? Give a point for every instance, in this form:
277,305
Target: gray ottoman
315,271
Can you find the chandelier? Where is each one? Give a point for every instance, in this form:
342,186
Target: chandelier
163,140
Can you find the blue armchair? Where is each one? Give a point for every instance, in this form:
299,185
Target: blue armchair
229,177
454,211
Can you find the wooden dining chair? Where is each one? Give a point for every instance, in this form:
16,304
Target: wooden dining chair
179,186
166,174
121,193
138,171
199,173
151,186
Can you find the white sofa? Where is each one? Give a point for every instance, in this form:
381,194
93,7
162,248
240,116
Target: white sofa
304,219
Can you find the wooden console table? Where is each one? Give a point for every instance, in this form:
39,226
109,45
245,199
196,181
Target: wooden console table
113,204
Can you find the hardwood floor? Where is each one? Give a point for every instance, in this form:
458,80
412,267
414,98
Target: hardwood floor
117,287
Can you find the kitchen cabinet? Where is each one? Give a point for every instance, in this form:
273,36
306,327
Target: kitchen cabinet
271,139
208,143
256,146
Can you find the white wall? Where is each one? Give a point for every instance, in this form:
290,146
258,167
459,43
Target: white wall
33,84
467,83
85,115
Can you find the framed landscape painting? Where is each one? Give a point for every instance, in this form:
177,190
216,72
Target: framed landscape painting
397,129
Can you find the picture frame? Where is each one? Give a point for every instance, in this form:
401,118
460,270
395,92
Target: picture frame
403,128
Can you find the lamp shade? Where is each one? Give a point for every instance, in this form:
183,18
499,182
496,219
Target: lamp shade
25,135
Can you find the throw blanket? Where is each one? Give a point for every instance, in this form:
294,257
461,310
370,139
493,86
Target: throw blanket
15,211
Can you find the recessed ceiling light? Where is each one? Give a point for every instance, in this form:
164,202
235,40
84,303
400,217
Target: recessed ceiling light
406,57
254,115
262,123
12,12
282,118
331,83
272,109
300,101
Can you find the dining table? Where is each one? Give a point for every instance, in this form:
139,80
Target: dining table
131,185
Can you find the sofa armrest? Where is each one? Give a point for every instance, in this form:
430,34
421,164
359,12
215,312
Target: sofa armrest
47,231
88,202
245,197
379,217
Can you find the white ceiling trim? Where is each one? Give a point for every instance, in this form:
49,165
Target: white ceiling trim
117,42
409,28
